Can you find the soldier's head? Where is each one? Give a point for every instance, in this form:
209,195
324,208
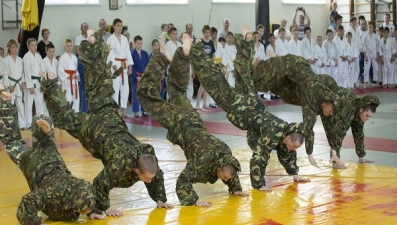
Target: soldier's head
293,138
146,168
82,198
226,173
327,108
367,107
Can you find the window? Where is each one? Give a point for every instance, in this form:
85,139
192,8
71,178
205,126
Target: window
71,2
150,2
233,1
295,2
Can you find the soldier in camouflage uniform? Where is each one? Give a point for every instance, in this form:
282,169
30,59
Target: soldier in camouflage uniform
208,158
54,190
292,79
265,132
103,131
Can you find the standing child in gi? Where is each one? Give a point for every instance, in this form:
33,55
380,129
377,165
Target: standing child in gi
33,69
387,51
69,76
352,52
308,48
140,58
340,42
295,45
50,65
331,55
229,54
319,55
282,44
13,72
271,49
371,54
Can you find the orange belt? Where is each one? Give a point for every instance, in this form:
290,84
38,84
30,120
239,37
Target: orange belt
124,64
139,75
71,73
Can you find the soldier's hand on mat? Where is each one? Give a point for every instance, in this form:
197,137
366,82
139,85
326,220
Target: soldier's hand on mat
266,188
240,193
203,204
312,161
161,204
362,160
94,216
300,179
113,212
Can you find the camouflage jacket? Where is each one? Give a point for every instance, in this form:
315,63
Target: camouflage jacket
204,153
52,185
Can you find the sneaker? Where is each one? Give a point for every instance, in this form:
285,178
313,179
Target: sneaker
145,114
263,97
136,115
213,106
273,97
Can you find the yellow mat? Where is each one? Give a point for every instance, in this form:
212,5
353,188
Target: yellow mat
360,194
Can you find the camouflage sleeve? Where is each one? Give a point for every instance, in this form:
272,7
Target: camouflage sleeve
309,118
358,136
184,187
288,160
258,164
333,132
32,203
234,184
103,183
156,187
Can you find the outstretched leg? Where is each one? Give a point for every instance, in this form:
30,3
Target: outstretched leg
149,97
10,133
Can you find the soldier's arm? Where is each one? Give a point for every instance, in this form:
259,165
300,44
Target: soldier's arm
309,118
358,137
9,127
103,183
156,187
31,203
288,160
258,163
184,188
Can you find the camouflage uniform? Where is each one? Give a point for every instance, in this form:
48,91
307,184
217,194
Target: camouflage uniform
102,131
204,152
246,111
54,190
292,79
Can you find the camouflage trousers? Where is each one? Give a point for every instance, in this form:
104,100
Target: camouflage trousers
178,79
10,133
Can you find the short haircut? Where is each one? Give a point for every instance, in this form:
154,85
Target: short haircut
361,17
353,18
297,137
328,31
188,25
163,25
371,107
1,49
9,44
137,38
155,41
340,27
281,29
381,27
147,164
319,35
49,46
171,24
306,29
229,33
221,39
370,23
30,40
213,30
117,20
172,29
68,40
44,30
229,169
99,23
386,29
82,24
349,34
260,26
255,32
334,3
205,28
270,35
338,17
295,29
387,14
